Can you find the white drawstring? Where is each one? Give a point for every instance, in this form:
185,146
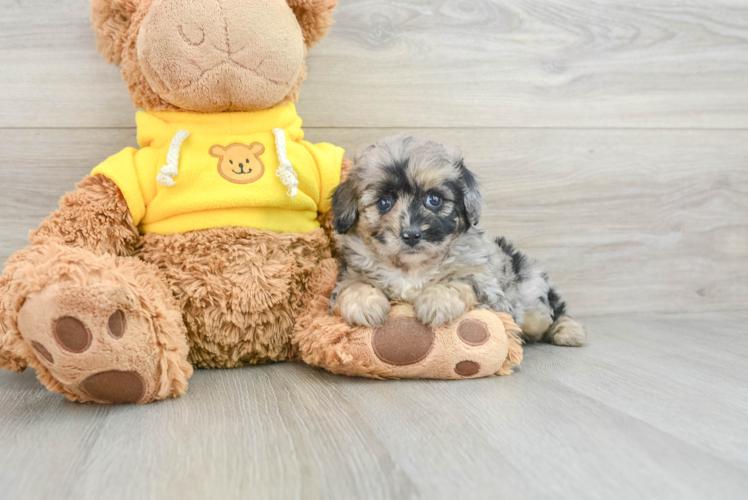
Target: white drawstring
285,172
171,169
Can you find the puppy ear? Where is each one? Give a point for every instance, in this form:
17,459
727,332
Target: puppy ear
345,206
111,21
314,16
471,195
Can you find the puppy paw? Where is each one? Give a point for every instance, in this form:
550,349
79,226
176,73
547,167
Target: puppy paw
567,332
535,324
438,305
362,304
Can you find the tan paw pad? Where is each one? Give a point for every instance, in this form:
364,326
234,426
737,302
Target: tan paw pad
114,386
473,332
72,334
402,341
467,368
43,351
116,324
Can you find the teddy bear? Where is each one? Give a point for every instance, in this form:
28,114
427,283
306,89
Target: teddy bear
211,244
198,248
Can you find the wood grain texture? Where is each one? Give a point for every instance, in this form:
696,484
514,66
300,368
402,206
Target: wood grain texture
655,407
445,63
624,220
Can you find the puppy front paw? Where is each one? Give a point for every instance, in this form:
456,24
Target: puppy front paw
438,305
362,304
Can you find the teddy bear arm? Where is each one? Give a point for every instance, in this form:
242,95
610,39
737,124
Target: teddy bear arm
94,217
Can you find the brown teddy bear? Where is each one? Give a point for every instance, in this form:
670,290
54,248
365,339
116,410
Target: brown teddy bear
198,248
210,245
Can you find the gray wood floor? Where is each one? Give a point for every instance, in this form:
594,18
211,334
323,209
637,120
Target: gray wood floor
612,140
655,407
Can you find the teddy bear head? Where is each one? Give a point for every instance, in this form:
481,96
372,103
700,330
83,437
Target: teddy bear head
210,55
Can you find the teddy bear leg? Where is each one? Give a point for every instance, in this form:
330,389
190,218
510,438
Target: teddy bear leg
96,328
477,344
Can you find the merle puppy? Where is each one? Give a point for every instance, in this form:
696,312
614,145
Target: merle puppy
407,218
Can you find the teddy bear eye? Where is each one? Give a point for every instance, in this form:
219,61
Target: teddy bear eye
231,161
246,161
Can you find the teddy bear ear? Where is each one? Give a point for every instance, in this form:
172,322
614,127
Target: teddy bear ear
314,16
111,20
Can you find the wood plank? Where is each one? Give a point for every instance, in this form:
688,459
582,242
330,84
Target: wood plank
50,72
419,63
693,406
624,220
629,416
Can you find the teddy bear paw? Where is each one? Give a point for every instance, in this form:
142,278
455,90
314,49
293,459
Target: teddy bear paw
474,345
479,343
94,341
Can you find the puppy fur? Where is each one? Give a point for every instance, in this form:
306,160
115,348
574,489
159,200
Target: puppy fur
407,223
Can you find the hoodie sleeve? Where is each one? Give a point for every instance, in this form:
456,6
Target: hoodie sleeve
329,160
120,168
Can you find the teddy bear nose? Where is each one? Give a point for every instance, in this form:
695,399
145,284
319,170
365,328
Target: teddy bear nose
241,165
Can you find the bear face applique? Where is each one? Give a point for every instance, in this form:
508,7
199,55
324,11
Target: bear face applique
239,163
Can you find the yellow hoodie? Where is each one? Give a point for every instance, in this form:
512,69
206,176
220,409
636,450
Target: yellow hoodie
224,172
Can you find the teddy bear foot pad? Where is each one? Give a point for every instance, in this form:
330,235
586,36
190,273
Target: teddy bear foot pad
92,342
406,341
478,344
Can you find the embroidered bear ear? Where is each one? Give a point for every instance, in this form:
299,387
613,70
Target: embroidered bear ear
217,151
111,20
314,16
256,148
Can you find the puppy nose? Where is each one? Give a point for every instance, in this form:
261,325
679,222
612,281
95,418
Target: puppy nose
412,236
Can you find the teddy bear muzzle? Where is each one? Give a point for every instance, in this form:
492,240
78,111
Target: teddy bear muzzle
221,55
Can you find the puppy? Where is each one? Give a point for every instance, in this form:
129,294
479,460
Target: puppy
407,218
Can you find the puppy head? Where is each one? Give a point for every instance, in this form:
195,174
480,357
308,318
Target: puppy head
408,199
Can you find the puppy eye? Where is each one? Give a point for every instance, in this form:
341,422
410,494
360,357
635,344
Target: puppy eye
384,205
433,201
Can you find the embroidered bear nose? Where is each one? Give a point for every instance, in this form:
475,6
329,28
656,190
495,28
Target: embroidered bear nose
241,165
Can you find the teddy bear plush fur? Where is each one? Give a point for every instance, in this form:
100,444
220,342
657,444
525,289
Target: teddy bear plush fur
105,313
